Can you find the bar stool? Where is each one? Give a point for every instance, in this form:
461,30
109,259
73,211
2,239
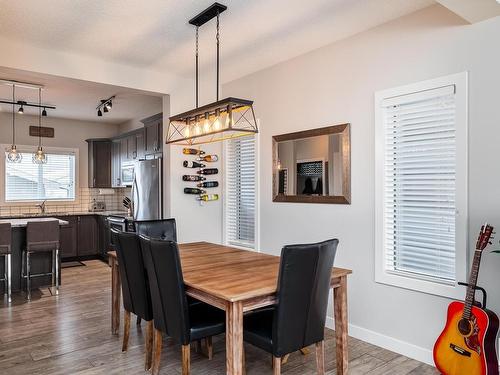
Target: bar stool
42,237
5,251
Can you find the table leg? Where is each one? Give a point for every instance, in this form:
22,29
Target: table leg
234,338
340,311
115,297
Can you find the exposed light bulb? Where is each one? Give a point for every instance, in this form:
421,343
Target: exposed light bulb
206,124
217,124
14,156
20,110
39,157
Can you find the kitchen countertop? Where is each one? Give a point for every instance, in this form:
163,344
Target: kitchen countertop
20,223
62,214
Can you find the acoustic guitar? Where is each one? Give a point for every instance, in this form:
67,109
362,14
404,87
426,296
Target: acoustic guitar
467,344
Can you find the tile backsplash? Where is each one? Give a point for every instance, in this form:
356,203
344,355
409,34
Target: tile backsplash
83,202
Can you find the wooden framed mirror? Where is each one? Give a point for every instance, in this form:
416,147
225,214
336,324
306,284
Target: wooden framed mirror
313,166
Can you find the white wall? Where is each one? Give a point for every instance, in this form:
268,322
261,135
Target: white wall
336,84
195,222
67,133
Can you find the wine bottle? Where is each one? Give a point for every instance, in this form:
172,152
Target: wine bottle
208,184
193,164
194,191
208,197
208,158
208,171
192,151
193,178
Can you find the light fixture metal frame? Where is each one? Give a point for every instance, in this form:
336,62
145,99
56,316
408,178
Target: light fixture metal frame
245,124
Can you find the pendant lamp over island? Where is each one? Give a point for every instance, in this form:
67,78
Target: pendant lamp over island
14,156
223,119
39,157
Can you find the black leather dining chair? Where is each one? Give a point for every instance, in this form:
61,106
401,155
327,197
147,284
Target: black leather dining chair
135,288
172,313
298,319
164,229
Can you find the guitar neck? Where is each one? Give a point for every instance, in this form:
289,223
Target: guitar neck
471,289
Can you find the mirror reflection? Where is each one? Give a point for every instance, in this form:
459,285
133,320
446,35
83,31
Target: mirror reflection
313,165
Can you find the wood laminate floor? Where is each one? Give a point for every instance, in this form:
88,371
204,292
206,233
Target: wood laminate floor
70,334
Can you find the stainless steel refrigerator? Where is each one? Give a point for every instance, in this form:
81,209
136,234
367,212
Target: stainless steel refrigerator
147,190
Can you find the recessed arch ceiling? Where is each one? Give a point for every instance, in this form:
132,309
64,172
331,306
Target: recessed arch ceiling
155,35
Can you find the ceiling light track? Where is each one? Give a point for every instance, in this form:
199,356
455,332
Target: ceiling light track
105,106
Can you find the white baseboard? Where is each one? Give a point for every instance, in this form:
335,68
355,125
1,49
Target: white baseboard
401,347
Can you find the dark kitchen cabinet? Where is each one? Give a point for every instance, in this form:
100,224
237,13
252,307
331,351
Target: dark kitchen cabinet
153,131
104,234
115,164
87,235
139,144
99,158
68,237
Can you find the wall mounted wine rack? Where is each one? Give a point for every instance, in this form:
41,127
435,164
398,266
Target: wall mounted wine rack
202,164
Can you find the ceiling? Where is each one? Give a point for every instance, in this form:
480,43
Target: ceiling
77,99
154,34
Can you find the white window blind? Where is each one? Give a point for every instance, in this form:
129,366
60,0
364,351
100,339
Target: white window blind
55,180
240,184
420,184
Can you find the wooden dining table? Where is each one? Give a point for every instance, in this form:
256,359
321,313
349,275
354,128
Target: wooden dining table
238,281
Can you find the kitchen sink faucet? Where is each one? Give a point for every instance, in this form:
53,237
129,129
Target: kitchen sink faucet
41,206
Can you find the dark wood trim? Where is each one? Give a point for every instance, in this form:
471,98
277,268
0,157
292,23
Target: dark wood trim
335,129
332,199
345,198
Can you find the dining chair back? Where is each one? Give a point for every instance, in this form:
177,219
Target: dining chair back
303,288
164,229
167,282
135,287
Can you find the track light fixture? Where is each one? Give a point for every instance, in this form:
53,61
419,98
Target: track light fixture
21,108
105,106
44,112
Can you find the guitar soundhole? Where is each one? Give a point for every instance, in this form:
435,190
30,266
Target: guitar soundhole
464,327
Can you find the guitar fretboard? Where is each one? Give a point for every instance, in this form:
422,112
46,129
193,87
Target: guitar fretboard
469,300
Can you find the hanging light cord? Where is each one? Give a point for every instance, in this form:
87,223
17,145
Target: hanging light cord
39,118
13,115
197,48
217,36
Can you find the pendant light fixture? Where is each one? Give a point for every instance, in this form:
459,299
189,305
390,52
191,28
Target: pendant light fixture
39,157
13,155
223,119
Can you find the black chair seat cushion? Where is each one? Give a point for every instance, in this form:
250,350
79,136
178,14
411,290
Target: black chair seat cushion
159,321
258,328
205,321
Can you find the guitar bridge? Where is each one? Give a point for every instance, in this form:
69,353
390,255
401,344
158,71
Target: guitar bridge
459,350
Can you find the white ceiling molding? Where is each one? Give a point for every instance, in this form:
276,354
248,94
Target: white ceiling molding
473,11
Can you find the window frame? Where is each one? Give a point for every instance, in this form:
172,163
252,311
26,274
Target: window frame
256,246
31,149
407,281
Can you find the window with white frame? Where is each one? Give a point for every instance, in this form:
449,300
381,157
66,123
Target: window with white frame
27,181
240,192
421,185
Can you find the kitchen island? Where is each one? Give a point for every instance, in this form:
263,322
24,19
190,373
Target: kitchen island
40,263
